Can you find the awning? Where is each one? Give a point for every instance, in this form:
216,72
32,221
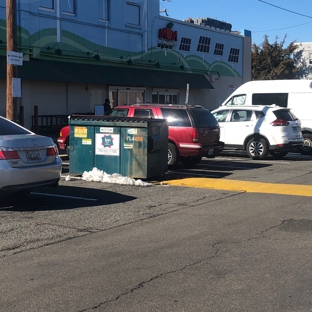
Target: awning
43,70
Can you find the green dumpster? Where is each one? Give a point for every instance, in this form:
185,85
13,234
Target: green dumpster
133,147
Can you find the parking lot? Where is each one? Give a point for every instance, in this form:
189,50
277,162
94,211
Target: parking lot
83,223
77,207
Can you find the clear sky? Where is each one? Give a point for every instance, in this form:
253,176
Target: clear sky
275,18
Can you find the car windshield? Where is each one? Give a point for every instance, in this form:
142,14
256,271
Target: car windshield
203,118
8,128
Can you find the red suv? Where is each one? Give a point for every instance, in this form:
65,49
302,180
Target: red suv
193,132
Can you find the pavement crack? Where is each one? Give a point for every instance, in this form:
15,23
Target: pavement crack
142,284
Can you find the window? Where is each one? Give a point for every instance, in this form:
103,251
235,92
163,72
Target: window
203,44
237,100
219,49
185,44
46,4
132,14
284,114
310,58
203,118
241,115
233,57
164,98
221,115
103,10
279,99
126,96
9,128
68,6
176,117
119,112
147,113
259,115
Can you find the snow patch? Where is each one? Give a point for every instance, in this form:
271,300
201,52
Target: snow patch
97,175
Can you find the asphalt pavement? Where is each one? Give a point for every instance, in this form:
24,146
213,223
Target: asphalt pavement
87,246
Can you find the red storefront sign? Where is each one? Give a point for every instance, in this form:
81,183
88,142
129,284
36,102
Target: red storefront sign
167,38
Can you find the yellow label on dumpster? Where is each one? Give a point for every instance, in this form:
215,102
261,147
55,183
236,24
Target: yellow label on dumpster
87,141
80,132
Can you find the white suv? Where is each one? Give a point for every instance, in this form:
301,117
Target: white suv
259,130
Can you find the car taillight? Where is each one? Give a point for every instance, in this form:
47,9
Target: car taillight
52,151
279,122
195,135
8,154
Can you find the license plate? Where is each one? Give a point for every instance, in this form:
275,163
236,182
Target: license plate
294,129
33,156
210,152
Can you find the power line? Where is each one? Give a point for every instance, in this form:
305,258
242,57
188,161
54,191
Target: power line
285,9
257,31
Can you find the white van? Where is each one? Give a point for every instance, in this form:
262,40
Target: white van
294,94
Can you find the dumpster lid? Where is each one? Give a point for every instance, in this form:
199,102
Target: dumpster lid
100,118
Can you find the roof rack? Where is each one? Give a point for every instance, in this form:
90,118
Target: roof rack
173,105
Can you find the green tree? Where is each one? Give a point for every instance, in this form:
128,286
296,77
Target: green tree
273,61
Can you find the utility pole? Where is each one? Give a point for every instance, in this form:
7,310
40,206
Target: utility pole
11,38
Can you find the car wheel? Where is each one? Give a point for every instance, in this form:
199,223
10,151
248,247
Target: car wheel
306,147
190,161
278,155
172,154
257,148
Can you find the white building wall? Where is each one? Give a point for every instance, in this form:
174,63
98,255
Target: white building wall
303,58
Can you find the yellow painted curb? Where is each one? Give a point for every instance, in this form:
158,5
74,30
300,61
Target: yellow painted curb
244,186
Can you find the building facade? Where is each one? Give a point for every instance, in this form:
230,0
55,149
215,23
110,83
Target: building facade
77,53
303,59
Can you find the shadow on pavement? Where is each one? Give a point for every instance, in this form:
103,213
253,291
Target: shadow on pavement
62,198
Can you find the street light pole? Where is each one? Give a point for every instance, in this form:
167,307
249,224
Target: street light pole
11,39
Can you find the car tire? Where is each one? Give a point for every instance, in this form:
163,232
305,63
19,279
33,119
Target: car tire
257,148
190,162
278,155
172,154
306,147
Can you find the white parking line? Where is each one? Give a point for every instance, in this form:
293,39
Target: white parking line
63,196
71,177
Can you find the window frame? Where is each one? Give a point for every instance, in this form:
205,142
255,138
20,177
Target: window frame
278,98
104,16
73,9
234,55
185,44
133,6
52,8
219,49
203,45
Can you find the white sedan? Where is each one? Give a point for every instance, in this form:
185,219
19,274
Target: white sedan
27,160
